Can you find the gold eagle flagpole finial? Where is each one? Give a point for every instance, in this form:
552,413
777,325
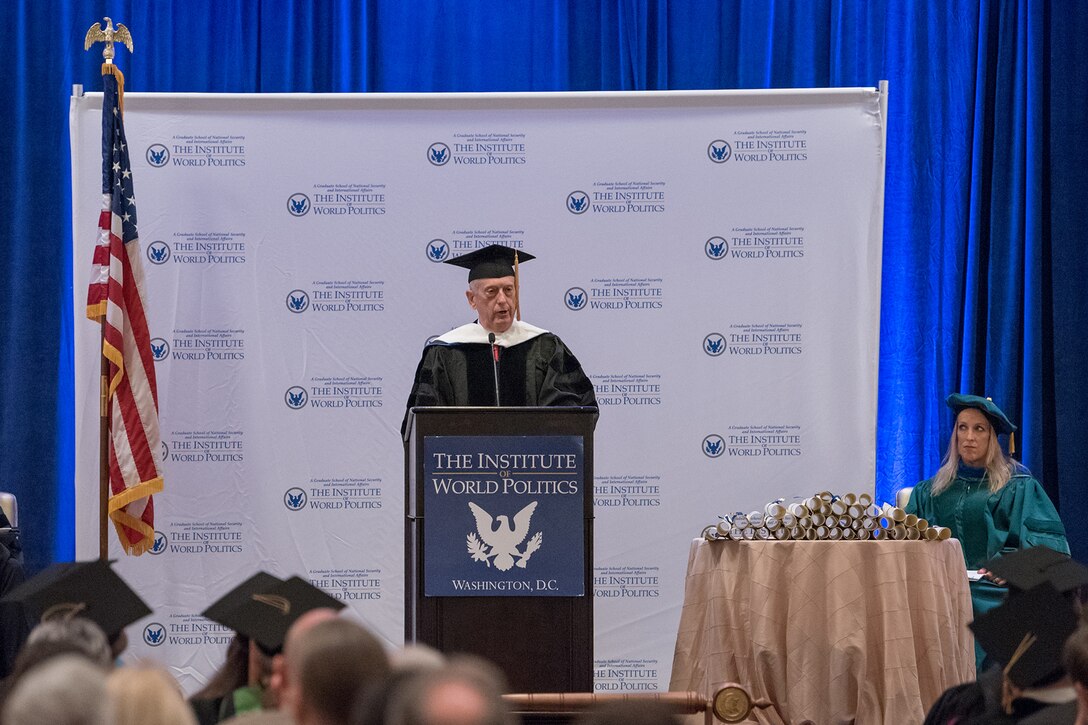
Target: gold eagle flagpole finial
109,36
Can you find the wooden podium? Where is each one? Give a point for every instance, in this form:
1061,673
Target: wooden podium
543,643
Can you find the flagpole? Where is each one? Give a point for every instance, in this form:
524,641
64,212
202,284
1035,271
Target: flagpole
103,450
108,35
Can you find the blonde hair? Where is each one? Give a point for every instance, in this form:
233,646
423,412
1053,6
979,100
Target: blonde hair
999,467
147,696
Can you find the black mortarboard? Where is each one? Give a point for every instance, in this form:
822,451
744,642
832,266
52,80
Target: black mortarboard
1026,634
1027,568
997,417
224,609
90,589
490,262
264,612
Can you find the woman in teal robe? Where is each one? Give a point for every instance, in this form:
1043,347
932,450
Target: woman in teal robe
992,503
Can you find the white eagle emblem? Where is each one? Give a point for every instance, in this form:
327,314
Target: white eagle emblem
500,543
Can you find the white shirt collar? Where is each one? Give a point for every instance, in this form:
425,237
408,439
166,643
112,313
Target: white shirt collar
473,332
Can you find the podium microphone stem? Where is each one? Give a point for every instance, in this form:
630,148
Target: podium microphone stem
494,364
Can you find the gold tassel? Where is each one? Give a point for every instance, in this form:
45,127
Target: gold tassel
1009,691
111,69
1012,442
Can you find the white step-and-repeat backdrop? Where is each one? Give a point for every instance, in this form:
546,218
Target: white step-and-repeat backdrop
712,258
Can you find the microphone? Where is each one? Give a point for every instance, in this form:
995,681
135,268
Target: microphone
494,364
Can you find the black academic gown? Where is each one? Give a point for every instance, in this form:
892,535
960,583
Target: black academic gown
1063,714
535,369
979,703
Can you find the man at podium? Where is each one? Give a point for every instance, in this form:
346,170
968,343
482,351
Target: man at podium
498,359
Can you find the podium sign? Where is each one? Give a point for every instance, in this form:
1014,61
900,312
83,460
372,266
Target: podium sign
498,539
504,516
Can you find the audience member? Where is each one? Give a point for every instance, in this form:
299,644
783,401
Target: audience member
326,665
75,635
66,690
406,663
89,589
238,686
261,610
468,691
1025,636
281,686
146,696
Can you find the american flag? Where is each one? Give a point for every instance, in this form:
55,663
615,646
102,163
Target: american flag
116,297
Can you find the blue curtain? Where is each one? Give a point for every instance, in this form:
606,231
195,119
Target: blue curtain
987,174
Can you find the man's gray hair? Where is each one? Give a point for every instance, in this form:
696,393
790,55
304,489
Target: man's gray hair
79,634
467,691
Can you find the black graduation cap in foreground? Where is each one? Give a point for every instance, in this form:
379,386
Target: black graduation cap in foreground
264,607
490,262
1026,634
1028,568
223,609
89,589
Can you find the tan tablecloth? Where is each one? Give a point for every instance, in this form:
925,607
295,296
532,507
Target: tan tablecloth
830,631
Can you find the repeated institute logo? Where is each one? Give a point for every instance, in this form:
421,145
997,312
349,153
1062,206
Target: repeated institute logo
713,446
158,252
154,635
338,296
157,155
296,397
575,298
298,204
298,301
719,151
160,349
349,584
626,675
344,392
627,582
714,344
499,546
627,491
716,248
160,544
205,344
198,446
201,538
617,294
335,493
778,242
628,389
294,499
438,154
577,202
773,440
768,339
200,247
438,250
